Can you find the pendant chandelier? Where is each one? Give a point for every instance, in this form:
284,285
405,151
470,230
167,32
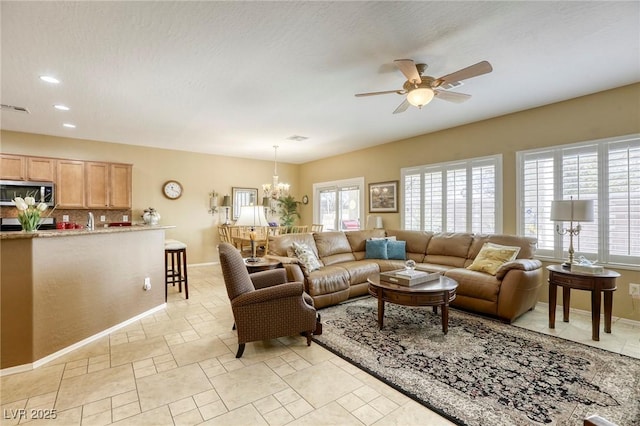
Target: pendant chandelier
275,189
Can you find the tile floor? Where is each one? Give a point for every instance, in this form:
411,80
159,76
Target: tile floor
178,367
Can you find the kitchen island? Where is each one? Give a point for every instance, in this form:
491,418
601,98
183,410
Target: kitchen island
61,289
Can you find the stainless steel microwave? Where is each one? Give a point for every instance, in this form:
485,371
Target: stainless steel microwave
41,191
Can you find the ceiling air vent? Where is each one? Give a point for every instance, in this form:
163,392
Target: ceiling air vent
297,138
450,85
14,108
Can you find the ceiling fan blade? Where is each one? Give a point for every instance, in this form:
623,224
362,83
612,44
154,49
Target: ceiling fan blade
402,107
408,68
474,70
399,92
452,96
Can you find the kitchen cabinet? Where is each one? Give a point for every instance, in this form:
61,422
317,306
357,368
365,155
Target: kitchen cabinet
108,185
12,167
41,169
70,184
97,180
120,180
79,184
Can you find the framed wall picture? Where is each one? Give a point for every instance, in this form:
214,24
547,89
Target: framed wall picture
242,197
383,197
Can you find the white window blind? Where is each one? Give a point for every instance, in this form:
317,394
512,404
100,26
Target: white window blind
461,196
606,171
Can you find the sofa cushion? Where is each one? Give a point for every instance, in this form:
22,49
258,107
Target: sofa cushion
358,239
333,247
396,250
527,244
417,242
475,284
360,270
308,259
327,280
449,249
282,245
376,249
492,257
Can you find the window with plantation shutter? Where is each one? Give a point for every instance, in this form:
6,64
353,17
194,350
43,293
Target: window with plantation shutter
460,196
605,171
412,197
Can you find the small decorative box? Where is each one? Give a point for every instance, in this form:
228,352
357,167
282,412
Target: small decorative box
587,269
408,278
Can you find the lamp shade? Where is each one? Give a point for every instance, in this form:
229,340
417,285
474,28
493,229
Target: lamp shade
226,201
420,96
252,216
572,211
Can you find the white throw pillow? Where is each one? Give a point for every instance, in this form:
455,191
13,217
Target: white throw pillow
492,256
308,259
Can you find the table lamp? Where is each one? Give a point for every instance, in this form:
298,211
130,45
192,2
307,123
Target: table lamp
252,216
571,211
226,203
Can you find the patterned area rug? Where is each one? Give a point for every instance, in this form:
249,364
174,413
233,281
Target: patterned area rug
484,372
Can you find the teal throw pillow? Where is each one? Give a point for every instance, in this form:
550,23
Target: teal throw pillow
396,250
376,249
308,259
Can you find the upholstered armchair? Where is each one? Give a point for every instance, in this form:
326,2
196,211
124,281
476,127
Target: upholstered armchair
264,305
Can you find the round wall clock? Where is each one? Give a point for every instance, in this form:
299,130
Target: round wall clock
305,199
172,189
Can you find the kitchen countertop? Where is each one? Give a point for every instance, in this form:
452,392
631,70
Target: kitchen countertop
14,235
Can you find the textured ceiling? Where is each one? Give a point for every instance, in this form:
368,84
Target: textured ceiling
236,78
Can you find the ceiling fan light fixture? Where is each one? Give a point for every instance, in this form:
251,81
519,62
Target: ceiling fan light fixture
420,96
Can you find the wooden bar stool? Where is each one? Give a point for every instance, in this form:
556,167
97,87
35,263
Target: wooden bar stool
175,266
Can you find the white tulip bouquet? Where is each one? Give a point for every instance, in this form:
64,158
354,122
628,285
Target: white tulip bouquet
29,212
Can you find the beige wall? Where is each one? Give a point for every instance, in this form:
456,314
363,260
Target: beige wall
610,113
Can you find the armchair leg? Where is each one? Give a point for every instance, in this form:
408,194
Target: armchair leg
234,326
240,350
308,334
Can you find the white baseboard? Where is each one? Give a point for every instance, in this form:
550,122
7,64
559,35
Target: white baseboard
38,363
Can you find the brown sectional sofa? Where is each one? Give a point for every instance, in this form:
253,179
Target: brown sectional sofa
507,295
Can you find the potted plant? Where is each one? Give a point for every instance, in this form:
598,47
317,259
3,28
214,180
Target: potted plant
288,210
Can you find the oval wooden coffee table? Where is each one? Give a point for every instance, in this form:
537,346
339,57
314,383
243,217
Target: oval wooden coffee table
431,293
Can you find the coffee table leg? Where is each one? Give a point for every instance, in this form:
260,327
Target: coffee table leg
380,312
445,318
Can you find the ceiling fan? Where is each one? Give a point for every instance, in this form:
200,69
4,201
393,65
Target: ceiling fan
420,90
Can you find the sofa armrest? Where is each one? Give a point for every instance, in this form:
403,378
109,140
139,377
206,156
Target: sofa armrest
294,272
268,278
518,264
267,294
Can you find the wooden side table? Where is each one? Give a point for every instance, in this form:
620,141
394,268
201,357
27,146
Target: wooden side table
595,283
263,264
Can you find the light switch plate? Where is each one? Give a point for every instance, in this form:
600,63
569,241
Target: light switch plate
125,218
65,218
103,218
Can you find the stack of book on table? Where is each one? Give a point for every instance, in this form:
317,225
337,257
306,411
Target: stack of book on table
408,277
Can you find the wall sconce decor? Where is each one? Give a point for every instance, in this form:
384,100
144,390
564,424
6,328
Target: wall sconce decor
213,202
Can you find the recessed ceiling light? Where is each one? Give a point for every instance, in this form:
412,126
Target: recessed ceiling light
49,79
61,107
69,125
